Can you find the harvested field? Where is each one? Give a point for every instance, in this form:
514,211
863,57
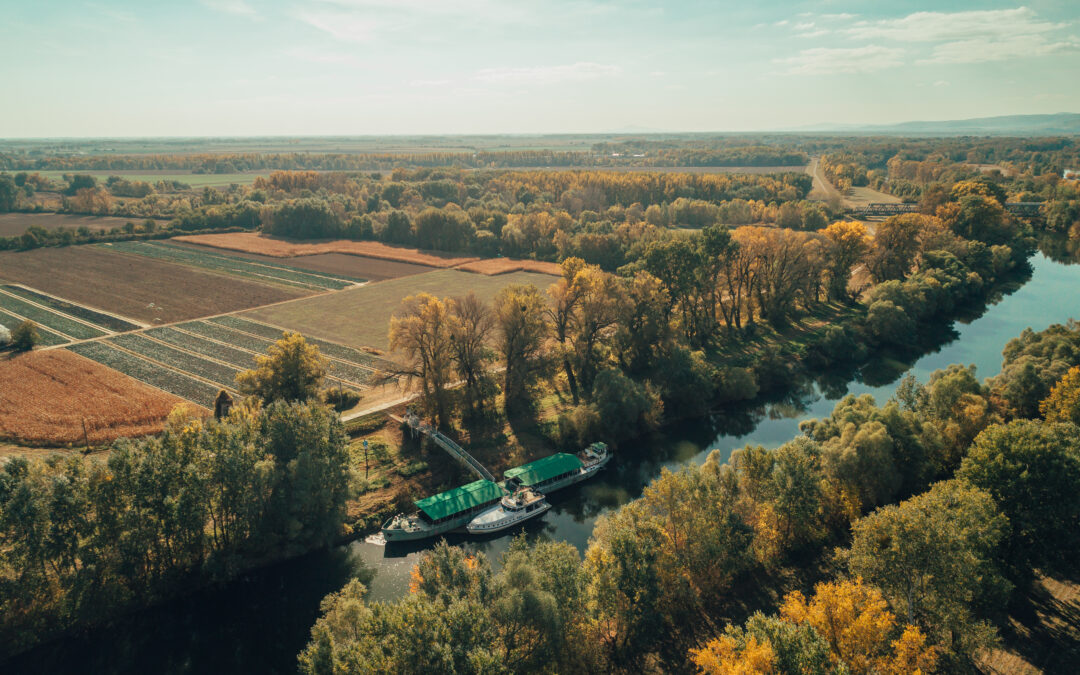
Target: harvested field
361,316
14,224
492,266
145,289
47,395
251,242
372,269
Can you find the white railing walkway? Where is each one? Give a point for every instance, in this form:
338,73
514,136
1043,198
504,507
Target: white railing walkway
447,444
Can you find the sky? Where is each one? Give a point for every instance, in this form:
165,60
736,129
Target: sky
359,67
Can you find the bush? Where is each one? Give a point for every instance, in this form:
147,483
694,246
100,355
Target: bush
412,468
25,336
5,336
341,398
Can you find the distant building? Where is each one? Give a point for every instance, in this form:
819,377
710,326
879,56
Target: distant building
1071,174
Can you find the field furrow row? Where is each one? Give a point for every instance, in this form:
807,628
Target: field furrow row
238,358
231,265
331,349
106,321
174,358
49,318
46,337
151,373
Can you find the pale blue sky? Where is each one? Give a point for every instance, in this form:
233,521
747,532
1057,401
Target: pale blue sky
285,67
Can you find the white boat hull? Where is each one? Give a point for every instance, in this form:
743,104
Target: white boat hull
479,526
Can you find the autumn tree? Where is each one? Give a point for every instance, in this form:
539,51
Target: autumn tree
848,242
565,297
422,330
861,632
895,245
291,370
471,331
933,557
520,318
1063,403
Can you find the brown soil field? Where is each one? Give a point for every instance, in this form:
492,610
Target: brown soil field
47,395
251,242
14,224
142,288
361,316
372,269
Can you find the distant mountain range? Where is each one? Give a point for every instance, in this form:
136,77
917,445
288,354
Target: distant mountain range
1006,125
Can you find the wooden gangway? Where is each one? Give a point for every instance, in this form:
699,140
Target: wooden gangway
446,443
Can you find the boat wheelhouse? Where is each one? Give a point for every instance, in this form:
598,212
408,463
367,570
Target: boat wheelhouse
444,512
512,509
559,470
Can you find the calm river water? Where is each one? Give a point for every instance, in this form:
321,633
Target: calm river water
261,621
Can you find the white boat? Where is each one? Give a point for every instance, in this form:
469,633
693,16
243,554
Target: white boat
512,509
560,470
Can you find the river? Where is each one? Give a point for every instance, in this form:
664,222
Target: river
261,621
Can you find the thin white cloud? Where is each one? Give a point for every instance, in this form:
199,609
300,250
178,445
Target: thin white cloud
813,33
845,60
951,26
577,72
430,83
324,57
1009,48
345,26
237,7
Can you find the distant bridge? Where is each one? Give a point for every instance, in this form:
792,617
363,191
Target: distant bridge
1021,209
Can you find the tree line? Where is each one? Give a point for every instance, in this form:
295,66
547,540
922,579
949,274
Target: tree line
937,508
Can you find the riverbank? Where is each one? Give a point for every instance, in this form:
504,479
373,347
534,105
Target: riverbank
252,623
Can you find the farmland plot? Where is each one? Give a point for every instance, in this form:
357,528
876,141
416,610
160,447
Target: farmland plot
49,318
360,317
347,366
174,358
218,262
328,348
151,373
106,321
200,345
46,337
145,289
57,397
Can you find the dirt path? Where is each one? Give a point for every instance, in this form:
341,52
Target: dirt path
856,196
822,187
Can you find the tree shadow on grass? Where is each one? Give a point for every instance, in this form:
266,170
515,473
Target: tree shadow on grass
1043,630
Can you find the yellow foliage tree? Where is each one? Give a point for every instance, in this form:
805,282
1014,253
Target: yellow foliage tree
723,656
1063,403
292,370
854,619
848,242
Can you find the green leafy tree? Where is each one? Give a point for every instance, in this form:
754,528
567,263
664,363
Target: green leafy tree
25,336
291,370
523,329
1032,470
933,557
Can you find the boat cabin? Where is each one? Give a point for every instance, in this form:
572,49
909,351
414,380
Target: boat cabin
543,472
461,501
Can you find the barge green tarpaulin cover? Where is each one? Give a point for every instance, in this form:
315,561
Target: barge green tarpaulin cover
543,469
459,499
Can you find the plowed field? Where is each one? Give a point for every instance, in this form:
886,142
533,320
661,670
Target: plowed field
46,396
251,242
146,289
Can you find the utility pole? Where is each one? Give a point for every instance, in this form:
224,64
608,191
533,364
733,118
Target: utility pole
365,460
86,437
